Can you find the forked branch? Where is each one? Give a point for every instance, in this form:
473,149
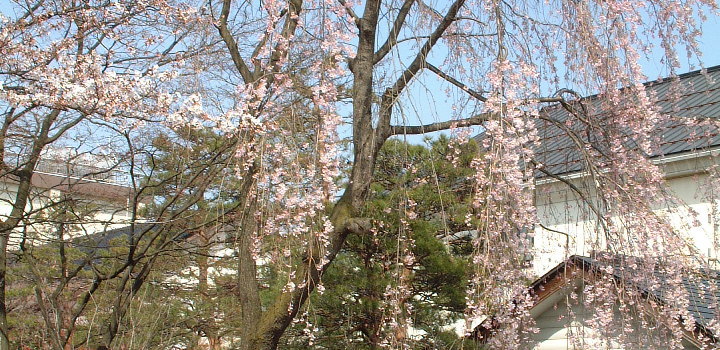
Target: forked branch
350,12
394,32
419,60
391,93
231,44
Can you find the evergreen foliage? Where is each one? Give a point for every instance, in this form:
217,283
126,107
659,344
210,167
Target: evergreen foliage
420,197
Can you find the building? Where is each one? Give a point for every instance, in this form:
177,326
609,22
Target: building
688,145
568,237
564,319
82,194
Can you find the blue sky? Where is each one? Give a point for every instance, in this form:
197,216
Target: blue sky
428,102
709,46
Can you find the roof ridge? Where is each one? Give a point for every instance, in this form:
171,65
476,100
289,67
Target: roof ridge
656,82
699,71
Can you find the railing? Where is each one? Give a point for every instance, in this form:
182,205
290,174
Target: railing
83,171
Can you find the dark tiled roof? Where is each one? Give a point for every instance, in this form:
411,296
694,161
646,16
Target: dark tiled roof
702,286
108,239
691,97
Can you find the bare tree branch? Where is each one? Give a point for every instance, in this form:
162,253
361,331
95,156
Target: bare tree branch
459,123
231,44
351,12
291,22
419,60
422,129
391,93
394,32
451,80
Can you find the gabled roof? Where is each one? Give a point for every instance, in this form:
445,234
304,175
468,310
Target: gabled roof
702,287
691,97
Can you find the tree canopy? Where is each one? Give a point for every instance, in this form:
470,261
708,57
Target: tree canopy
277,113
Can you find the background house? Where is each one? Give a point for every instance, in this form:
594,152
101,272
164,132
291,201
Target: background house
686,146
563,319
687,149
84,194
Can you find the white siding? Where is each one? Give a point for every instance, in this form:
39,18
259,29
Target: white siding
694,215
98,213
562,325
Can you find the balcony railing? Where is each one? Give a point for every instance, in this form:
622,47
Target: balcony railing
83,171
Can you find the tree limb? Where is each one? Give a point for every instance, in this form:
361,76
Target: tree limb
471,121
391,93
291,22
231,44
476,94
350,12
419,60
422,129
391,41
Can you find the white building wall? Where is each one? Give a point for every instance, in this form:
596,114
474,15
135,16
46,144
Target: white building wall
570,226
97,213
563,323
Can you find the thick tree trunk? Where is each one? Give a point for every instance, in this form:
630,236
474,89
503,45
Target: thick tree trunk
4,340
247,291
18,211
21,198
210,326
246,285
367,143
275,320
